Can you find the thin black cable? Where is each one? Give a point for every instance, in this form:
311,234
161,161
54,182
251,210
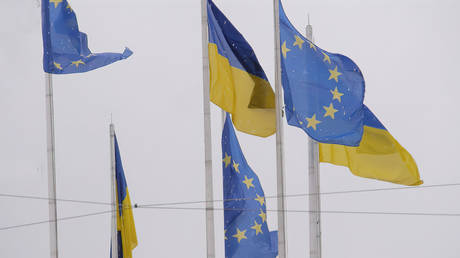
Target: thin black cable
59,219
57,199
234,209
236,199
305,194
307,211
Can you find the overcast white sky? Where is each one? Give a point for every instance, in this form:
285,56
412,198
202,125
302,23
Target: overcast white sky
407,50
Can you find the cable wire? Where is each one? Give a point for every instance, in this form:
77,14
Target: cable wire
236,209
237,199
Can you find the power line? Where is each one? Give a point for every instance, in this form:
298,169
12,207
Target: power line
59,219
307,194
237,199
236,209
307,211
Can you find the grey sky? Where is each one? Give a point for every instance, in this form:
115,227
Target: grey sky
407,50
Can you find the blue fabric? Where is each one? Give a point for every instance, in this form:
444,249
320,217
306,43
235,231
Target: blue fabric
120,177
242,210
371,120
65,47
120,246
231,44
308,84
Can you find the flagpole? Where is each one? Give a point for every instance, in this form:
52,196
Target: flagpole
113,195
314,185
50,144
282,246
210,241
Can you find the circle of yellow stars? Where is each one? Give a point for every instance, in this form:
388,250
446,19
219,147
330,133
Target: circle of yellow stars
241,234
333,75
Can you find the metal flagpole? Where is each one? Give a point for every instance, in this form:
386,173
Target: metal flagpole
51,166
210,241
282,246
313,185
113,194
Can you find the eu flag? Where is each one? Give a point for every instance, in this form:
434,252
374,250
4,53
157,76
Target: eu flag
323,92
245,214
127,238
65,47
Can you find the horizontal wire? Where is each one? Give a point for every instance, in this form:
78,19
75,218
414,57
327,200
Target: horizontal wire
305,194
50,199
237,199
308,211
59,219
236,209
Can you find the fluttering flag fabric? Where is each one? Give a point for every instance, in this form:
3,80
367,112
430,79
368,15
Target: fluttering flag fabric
127,238
65,48
323,92
245,213
238,83
379,155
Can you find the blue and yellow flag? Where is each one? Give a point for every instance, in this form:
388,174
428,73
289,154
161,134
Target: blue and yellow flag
238,83
323,92
65,47
378,156
127,238
245,213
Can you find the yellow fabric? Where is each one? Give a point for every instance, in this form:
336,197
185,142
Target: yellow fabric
379,156
236,91
125,224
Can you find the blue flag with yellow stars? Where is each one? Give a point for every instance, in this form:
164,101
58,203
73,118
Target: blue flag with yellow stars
127,237
323,92
65,47
245,214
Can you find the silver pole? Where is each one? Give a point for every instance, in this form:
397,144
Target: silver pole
313,185
282,243
113,194
210,241
51,166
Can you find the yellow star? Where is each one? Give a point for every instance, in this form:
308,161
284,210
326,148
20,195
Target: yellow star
248,182
312,46
57,65
312,122
326,58
330,111
225,234
235,166
240,235
257,228
336,95
300,122
68,7
77,63
298,42
334,74
226,160
284,49
263,215
260,199
56,2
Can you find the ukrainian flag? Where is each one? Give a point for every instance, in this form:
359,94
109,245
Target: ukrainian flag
378,156
238,83
127,238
